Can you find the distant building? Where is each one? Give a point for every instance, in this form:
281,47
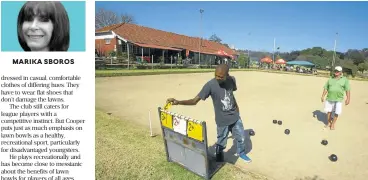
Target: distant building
147,42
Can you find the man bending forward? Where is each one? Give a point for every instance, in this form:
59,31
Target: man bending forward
226,109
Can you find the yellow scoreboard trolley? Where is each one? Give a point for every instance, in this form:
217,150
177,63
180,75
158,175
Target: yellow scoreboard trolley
186,143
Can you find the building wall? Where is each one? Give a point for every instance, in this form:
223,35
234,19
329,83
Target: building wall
103,49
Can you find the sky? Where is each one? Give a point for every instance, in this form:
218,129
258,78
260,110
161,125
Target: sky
255,25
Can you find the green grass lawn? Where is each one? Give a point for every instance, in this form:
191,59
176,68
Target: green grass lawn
125,150
143,72
139,72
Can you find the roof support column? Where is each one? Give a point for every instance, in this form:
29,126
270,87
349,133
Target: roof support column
163,56
149,54
128,53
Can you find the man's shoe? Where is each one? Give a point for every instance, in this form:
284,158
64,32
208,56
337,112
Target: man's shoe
245,158
219,154
220,157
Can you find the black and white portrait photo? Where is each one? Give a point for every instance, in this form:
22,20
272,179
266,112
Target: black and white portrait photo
43,26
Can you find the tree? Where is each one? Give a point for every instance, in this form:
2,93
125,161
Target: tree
350,65
290,56
340,55
317,51
363,67
215,38
126,18
295,53
105,18
353,59
365,52
302,57
356,56
242,60
226,45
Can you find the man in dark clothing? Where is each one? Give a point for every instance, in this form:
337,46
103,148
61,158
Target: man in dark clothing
227,115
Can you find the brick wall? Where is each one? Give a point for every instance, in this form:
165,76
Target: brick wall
102,48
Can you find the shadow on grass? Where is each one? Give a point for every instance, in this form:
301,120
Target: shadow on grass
310,178
321,116
230,155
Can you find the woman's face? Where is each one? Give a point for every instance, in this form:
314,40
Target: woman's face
37,33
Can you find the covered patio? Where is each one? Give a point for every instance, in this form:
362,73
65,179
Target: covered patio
300,63
303,66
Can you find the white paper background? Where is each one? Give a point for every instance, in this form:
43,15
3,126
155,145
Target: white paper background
180,127
82,103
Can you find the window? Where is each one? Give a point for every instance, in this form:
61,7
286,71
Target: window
135,49
124,47
107,41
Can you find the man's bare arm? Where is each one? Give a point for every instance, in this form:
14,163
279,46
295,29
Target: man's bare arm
190,102
348,96
323,94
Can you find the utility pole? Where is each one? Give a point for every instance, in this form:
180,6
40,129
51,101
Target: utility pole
200,40
248,59
249,51
274,46
333,56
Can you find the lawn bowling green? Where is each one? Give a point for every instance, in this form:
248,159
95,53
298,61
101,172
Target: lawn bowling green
185,141
262,98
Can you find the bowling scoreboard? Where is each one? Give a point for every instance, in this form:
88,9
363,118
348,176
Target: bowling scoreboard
186,144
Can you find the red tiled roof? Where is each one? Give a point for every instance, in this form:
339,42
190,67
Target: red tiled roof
145,35
156,46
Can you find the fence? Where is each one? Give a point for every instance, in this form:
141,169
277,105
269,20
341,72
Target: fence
186,144
118,62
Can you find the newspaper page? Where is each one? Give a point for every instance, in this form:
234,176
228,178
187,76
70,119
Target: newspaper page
47,90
